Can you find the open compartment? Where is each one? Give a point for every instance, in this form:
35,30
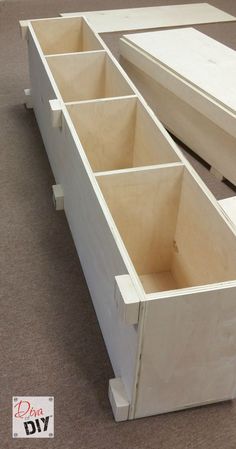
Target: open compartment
87,76
174,235
61,35
118,134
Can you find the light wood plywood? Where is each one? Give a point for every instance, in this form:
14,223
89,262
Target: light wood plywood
153,17
188,356
199,109
89,75
146,230
133,141
196,58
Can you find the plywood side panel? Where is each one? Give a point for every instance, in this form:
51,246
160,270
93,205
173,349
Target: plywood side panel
150,146
42,91
90,41
115,83
205,249
153,17
188,355
98,251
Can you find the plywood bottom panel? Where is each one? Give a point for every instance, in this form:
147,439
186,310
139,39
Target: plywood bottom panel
158,282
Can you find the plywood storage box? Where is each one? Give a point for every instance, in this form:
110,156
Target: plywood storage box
188,79
158,253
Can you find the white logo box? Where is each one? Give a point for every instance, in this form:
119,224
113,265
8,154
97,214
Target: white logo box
33,417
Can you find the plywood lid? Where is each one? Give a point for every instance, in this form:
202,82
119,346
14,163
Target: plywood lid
205,63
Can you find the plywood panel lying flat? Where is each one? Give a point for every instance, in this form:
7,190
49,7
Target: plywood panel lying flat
205,63
153,17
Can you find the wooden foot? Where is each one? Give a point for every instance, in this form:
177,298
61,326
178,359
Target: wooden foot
118,399
28,99
58,197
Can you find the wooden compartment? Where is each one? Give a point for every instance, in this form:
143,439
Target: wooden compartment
174,236
118,134
87,76
71,35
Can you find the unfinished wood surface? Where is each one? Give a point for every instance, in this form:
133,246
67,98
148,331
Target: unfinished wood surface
202,237
153,17
85,76
196,58
221,115
166,221
118,134
188,355
229,207
144,206
201,123
134,231
70,36
100,252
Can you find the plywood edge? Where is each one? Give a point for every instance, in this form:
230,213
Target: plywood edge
139,169
206,105
191,290
229,208
74,53
100,100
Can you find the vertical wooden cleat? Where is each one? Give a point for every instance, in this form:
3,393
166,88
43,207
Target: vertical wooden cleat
127,299
24,29
56,113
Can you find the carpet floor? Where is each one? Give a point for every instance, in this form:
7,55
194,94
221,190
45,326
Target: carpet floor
50,341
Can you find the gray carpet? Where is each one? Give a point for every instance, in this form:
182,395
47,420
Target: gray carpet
50,342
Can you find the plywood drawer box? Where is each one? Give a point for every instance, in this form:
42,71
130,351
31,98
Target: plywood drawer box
158,253
189,81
